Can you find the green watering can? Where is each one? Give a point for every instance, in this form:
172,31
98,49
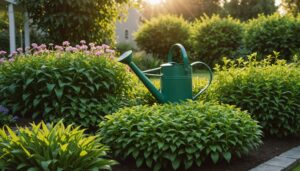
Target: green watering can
176,78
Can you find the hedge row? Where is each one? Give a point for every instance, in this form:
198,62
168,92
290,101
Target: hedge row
211,38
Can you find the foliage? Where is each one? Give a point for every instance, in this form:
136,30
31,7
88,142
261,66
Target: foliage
146,61
123,47
189,9
291,6
269,90
273,33
51,147
157,35
248,9
5,117
215,37
77,85
92,20
180,135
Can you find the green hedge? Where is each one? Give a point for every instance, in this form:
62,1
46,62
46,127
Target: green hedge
180,135
78,87
214,37
270,92
273,33
51,147
159,34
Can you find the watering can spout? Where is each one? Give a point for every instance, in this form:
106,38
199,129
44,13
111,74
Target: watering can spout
126,58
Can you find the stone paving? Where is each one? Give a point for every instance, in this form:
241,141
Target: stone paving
284,162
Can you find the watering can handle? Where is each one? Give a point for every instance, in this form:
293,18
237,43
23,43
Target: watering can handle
182,52
210,78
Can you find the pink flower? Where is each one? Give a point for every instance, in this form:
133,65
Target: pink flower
109,51
77,46
2,52
66,43
34,45
69,49
98,53
83,47
99,47
82,42
74,49
59,48
11,60
104,46
92,44
43,46
27,49
20,50
2,60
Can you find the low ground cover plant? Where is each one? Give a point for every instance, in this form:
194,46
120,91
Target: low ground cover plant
51,147
269,90
79,84
179,136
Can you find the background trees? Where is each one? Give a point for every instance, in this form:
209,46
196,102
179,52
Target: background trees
92,20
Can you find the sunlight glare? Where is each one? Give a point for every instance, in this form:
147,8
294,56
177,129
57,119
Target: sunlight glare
154,2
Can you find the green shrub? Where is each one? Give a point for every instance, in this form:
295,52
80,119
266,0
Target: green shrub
214,37
146,61
51,147
123,47
273,33
5,117
159,34
270,92
78,87
180,135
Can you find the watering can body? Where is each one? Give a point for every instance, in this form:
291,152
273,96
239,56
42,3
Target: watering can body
176,78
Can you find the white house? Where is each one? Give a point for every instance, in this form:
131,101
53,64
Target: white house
126,28
12,27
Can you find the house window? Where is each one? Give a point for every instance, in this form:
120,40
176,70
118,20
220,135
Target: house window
126,34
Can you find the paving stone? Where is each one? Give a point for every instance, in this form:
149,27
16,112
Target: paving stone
281,161
266,167
294,154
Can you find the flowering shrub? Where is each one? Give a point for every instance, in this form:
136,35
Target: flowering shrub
79,83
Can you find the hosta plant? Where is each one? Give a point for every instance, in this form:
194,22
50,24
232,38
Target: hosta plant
179,136
269,90
51,147
77,84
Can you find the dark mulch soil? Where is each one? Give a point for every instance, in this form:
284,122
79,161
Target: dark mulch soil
271,148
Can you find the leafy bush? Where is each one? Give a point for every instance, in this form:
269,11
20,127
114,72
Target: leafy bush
51,147
146,61
214,37
5,117
123,47
270,92
273,33
159,34
79,87
180,135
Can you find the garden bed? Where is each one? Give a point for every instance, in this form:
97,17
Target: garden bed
271,148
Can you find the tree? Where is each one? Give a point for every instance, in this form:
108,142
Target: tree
189,9
73,20
292,6
248,9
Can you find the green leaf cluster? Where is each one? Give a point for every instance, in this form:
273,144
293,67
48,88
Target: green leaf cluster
179,136
215,37
273,33
78,87
51,148
269,90
158,34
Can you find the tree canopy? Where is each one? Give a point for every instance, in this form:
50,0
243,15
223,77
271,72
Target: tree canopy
73,20
292,6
